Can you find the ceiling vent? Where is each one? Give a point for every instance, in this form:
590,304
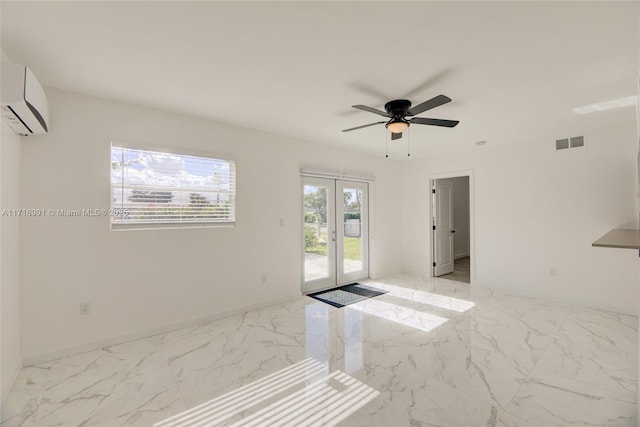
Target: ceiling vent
566,143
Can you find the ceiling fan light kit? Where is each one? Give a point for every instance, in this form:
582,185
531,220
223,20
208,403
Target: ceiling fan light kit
397,126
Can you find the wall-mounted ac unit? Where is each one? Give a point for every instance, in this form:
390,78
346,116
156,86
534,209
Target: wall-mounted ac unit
23,101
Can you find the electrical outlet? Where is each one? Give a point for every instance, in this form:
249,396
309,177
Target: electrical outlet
85,308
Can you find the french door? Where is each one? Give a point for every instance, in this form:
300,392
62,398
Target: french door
335,232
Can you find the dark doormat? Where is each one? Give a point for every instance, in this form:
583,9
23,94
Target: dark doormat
347,294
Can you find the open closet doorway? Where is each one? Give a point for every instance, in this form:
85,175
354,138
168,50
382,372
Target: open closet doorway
451,234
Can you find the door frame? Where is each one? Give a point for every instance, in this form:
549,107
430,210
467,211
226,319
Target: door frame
430,240
368,206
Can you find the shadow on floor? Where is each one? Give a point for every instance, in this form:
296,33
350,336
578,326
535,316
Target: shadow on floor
461,270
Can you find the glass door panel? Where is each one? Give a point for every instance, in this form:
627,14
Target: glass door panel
352,230
319,233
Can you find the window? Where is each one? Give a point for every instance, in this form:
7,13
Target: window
151,188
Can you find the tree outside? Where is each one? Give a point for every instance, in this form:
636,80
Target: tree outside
315,219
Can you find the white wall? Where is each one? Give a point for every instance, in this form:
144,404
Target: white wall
10,354
537,209
460,204
638,197
139,280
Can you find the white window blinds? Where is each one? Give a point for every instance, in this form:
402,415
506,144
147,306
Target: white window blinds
151,187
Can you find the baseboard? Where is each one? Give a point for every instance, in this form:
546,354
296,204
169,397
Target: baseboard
462,255
144,333
7,385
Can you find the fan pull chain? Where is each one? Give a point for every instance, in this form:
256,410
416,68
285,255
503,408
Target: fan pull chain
408,143
386,153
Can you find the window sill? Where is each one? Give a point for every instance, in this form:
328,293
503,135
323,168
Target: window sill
170,226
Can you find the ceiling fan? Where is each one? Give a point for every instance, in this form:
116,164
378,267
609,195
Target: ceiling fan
400,114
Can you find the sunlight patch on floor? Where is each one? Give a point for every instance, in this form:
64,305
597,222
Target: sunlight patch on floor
327,400
398,314
436,300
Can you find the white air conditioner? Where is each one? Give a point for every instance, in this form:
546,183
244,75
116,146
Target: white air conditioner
23,101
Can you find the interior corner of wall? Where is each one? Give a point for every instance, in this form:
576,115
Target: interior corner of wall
7,384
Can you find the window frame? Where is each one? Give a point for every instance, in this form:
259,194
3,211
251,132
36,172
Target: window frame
172,225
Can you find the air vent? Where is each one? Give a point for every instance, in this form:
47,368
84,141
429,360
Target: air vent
566,143
577,141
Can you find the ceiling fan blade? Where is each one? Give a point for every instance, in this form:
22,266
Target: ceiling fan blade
434,122
372,110
428,105
429,82
395,136
363,126
369,90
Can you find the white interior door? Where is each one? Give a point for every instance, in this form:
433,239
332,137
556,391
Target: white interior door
335,232
443,227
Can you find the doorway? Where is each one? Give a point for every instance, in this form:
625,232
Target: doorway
335,232
451,234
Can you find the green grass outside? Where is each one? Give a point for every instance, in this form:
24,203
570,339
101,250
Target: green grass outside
352,249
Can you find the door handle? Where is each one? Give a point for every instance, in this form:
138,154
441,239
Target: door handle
453,231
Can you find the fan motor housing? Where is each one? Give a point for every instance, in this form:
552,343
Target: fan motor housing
398,107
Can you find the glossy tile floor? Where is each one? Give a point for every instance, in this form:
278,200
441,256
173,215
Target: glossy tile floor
438,353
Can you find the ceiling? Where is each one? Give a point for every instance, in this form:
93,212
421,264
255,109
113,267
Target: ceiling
295,68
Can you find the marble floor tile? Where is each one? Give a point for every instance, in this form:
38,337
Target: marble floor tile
562,403
425,353
606,375
432,404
